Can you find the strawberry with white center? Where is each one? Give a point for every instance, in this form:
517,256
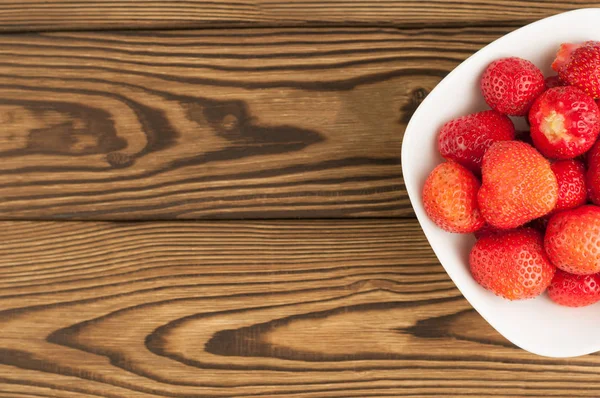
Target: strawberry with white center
565,122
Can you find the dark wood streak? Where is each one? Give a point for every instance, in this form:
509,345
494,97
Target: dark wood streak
128,283
246,138
68,136
294,36
250,342
332,85
238,68
444,327
88,131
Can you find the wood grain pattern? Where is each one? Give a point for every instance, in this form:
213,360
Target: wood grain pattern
276,122
246,309
215,124
31,15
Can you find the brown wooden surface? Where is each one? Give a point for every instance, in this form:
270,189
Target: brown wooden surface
295,308
29,15
257,123
299,116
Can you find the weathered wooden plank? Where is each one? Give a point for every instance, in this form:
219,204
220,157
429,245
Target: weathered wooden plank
214,124
219,309
32,15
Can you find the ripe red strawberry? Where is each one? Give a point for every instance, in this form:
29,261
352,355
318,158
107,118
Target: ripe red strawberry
572,240
518,185
579,66
512,264
574,290
572,190
565,122
466,139
509,85
592,177
450,198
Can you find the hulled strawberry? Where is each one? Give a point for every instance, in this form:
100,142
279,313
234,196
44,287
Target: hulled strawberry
572,240
572,190
450,198
510,85
574,290
563,55
518,185
466,138
565,122
512,264
579,65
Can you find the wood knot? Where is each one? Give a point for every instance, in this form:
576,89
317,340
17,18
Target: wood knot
119,160
414,100
229,122
418,95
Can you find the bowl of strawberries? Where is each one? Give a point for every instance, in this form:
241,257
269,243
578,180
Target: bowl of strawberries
502,166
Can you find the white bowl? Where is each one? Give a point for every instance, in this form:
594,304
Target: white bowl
537,325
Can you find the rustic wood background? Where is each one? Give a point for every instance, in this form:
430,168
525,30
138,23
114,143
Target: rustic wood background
165,169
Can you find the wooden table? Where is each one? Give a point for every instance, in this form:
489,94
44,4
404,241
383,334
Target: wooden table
204,199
